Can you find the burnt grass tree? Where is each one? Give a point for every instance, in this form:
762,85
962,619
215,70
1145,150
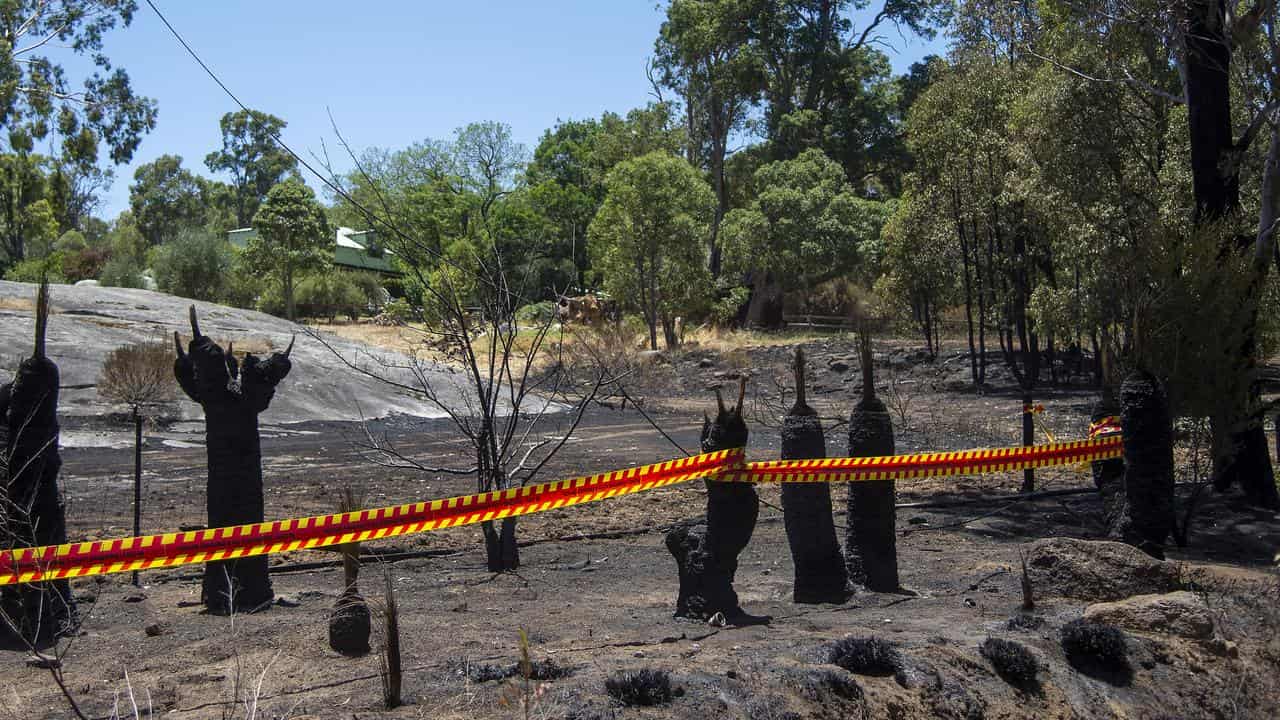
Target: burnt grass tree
707,556
1147,428
820,575
232,395
1108,475
350,623
871,553
34,613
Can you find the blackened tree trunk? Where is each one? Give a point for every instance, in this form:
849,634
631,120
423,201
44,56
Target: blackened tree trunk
502,554
1239,442
811,531
1148,457
232,398
764,309
871,554
33,511
707,557
1108,476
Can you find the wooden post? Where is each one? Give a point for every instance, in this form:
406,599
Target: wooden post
137,480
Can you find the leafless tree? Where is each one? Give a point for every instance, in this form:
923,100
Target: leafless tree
499,383
140,376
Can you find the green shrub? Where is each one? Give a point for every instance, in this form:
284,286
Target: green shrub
271,300
370,286
724,311
243,288
329,294
194,265
121,271
537,313
398,310
33,270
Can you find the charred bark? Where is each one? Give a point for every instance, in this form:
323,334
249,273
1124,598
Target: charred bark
33,512
820,572
871,554
1108,477
707,557
764,309
232,397
1148,456
501,552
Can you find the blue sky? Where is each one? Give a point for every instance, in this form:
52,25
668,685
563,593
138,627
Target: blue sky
391,71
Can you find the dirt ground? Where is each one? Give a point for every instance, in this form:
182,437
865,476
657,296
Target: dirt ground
596,587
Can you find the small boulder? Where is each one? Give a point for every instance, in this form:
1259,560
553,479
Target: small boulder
1096,570
1182,613
156,629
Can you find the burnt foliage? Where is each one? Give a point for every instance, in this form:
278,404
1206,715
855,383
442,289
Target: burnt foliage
1012,661
1097,649
640,687
866,656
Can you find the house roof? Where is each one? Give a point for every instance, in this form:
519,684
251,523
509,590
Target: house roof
356,249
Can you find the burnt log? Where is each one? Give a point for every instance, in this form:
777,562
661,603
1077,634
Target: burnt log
871,551
1108,477
232,395
707,556
33,511
820,575
1147,429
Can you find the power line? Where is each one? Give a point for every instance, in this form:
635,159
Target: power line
329,183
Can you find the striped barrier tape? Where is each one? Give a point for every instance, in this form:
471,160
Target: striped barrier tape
1109,425
100,557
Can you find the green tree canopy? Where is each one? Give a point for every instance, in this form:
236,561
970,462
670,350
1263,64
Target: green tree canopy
805,226
252,158
194,264
293,237
165,198
647,242
38,98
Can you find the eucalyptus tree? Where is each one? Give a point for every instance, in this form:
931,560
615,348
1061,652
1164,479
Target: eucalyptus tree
805,226
252,157
646,242
292,237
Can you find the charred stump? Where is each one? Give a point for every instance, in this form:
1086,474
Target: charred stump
806,507
707,556
33,511
1108,477
871,553
1148,463
350,622
232,397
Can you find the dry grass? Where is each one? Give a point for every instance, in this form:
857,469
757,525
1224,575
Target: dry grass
406,340
21,303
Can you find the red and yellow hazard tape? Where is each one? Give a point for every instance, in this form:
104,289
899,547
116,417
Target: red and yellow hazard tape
73,560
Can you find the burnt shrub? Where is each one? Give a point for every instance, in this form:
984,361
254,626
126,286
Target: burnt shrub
640,687
1025,621
819,684
545,669
865,656
1097,649
1012,661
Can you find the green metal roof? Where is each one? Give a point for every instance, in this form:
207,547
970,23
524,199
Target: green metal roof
353,250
